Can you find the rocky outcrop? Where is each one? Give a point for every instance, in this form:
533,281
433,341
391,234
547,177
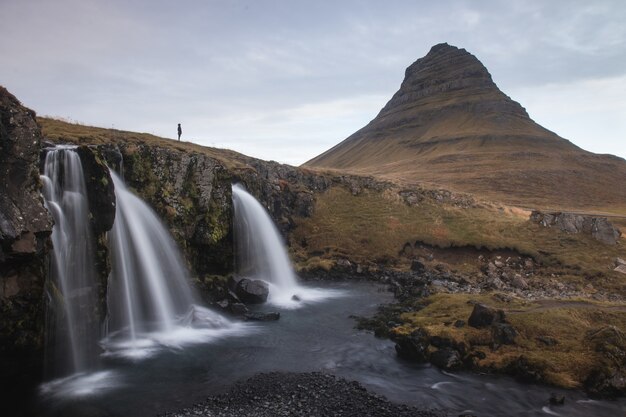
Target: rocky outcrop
597,227
25,227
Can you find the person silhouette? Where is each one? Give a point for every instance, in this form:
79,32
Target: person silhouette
180,131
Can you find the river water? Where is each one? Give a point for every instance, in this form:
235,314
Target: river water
318,336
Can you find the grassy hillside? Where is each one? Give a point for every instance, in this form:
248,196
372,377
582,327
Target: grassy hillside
79,134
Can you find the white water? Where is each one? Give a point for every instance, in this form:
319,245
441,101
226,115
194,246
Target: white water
261,254
151,303
72,326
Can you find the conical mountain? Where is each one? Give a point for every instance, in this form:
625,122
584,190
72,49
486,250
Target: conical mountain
450,126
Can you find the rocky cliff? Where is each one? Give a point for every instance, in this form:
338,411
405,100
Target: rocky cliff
25,227
449,125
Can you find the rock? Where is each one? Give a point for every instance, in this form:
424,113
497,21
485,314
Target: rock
258,316
598,227
238,309
25,228
619,261
524,369
484,316
100,190
417,266
620,268
295,297
459,323
498,264
446,358
604,231
413,346
343,263
519,282
556,399
503,334
606,382
253,291
547,340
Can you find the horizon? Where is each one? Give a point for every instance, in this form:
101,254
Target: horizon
286,81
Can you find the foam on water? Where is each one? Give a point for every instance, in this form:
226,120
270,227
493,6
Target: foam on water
199,325
81,385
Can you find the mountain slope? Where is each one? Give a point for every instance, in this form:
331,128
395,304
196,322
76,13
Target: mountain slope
450,126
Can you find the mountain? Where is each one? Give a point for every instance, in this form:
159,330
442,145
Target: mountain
450,126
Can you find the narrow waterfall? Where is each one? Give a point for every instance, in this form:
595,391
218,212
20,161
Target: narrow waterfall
73,328
259,248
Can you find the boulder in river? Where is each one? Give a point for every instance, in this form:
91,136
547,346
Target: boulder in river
252,291
413,346
446,358
259,316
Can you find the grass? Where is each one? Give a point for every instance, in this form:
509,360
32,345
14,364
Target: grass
78,134
374,227
565,364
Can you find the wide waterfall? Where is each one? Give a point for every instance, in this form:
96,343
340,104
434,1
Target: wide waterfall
261,253
150,303
150,300
72,326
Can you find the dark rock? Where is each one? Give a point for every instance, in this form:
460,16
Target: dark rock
238,309
524,369
25,227
556,399
295,297
459,323
441,342
606,382
503,334
413,346
446,358
252,291
100,190
258,316
547,340
483,316
417,266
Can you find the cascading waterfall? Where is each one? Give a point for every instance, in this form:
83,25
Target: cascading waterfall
150,301
73,328
261,254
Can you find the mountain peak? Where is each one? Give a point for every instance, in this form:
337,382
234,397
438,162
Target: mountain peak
449,76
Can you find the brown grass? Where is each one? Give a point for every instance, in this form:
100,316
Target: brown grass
565,364
374,227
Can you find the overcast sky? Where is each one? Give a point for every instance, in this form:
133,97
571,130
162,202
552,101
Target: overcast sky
286,80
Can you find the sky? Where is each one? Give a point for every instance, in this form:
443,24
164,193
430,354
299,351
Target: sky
285,80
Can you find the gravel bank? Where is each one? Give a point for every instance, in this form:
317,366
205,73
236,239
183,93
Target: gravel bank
299,394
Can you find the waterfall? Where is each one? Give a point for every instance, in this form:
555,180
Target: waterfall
73,328
150,300
261,253
260,250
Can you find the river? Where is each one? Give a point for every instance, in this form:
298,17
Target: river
317,336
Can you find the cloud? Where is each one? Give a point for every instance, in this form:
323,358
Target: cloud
308,71
582,111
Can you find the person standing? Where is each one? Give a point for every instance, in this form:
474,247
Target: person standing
180,131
